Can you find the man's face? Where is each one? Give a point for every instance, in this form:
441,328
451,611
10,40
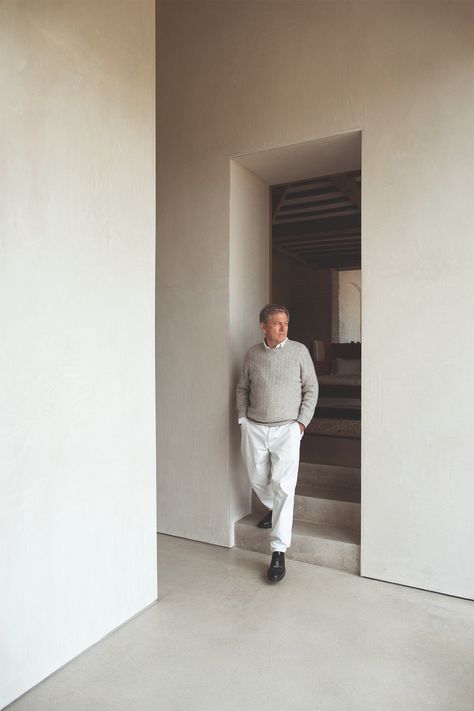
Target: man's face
276,329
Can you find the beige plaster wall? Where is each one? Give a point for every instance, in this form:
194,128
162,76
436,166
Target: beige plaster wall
77,225
238,77
249,290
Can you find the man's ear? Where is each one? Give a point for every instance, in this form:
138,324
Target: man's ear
262,327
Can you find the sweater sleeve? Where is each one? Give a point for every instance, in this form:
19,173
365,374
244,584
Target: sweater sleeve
243,390
309,388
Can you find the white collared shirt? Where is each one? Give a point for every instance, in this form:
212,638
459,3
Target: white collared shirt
279,345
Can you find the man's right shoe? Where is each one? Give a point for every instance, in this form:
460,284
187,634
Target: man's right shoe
266,522
276,570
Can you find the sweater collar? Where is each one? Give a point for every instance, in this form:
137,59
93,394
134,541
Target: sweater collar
280,345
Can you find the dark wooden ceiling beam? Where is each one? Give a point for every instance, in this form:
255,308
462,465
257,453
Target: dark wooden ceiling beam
335,238
314,198
281,201
323,245
303,229
316,222
331,255
355,239
322,216
335,204
348,185
310,236
307,181
310,185
339,250
327,255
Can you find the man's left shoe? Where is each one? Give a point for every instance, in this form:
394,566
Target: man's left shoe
276,570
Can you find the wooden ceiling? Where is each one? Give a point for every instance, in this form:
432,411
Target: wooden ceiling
317,221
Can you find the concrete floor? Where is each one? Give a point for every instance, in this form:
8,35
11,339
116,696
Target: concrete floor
322,640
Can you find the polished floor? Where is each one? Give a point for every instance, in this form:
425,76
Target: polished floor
222,639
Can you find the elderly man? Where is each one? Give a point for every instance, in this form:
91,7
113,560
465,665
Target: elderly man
276,398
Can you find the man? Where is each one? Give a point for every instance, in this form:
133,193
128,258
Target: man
276,398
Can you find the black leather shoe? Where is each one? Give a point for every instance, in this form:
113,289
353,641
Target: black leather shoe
266,522
276,571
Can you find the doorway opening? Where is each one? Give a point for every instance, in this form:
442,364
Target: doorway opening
316,273
314,242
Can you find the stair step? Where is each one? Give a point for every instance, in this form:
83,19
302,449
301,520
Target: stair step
318,504
330,450
329,475
334,507
320,544
337,493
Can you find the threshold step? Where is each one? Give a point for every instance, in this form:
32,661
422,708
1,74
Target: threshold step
329,475
337,493
319,544
336,507
322,449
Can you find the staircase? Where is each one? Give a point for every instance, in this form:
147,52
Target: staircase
326,527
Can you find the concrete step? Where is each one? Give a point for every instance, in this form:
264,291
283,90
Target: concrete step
329,476
331,506
320,544
330,450
318,504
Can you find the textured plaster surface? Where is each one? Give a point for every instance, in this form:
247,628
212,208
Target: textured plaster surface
77,508
239,78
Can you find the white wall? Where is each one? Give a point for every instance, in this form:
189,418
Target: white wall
249,286
236,78
350,302
77,506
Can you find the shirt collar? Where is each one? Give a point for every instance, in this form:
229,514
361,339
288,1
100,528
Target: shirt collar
280,345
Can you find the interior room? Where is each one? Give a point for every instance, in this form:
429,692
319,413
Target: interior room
316,272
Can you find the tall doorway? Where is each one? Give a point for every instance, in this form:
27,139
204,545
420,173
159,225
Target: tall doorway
316,272
314,241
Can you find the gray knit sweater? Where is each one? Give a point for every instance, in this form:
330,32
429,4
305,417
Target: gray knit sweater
278,385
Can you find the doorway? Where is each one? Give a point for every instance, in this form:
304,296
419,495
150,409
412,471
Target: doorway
316,273
314,243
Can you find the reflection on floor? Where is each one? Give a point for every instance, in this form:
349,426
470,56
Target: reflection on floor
222,639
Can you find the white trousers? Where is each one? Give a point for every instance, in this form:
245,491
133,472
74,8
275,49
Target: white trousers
271,455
